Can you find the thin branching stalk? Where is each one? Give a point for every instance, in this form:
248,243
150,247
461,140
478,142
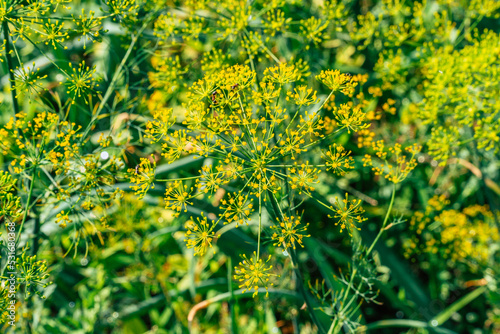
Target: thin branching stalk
10,65
28,200
114,80
384,224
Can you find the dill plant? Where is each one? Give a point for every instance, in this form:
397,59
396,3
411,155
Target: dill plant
230,83
60,179
256,136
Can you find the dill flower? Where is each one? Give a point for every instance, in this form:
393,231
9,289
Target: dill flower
33,274
337,159
302,96
348,213
365,138
442,143
281,74
394,164
210,180
10,204
167,73
199,235
88,27
177,196
463,236
175,145
104,141
81,81
276,22
232,27
27,80
7,182
158,128
313,29
237,207
123,9
63,219
350,117
289,232
253,139
487,134
334,12
304,177
143,176
337,81
4,304
53,33
213,61
253,273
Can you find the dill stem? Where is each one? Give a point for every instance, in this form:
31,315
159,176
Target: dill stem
260,222
10,65
114,80
382,229
25,215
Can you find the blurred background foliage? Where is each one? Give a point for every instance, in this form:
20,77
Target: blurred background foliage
85,77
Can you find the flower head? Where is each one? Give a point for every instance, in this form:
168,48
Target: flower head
337,81
199,235
143,176
238,208
289,232
338,160
253,273
348,212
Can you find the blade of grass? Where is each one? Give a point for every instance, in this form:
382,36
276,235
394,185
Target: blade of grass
238,294
442,317
404,323
158,301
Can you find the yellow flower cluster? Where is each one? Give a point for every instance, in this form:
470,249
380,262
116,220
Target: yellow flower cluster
392,162
10,203
199,235
348,213
464,236
143,176
289,232
254,136
32,274
460,91
253,273
337,81
63,219
237,207
338,160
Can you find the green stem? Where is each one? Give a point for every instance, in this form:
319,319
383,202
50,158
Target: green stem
232,304
114,80
25,215
36,232
326,100
260,222
466,141
300,283
442,317
384,223
404,323
239,294
10,64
